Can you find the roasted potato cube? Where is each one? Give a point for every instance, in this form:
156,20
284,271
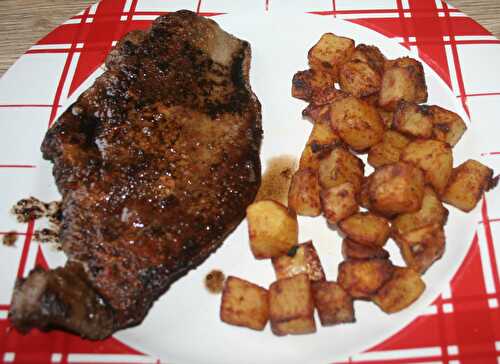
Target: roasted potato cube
396,188
340,166
434,158
334,304
329,53
371,55
388,150
356,122
413,120
404,288
244,304
422,247
467,184
359,78
314,86
338,202
303,195
291,306
403,79
321,140
302,258
363,278
447,126
353,250
431,212
366,228
272,228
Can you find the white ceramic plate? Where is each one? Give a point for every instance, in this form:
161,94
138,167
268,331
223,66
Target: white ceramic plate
184,325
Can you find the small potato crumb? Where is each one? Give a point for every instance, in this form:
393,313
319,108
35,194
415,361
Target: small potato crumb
214,281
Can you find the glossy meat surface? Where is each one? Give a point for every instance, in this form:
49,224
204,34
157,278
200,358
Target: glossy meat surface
156,163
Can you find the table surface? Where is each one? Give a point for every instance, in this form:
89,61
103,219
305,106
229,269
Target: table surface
22,23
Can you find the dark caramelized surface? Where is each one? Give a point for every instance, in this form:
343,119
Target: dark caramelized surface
156,162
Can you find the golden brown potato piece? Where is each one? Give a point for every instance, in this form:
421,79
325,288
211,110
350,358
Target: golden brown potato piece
467,184
404,288
321,140
353,250
434,158
371,55
303,195
329,53
388,150
338,202
334,304
272,228
356,122
447,126
403,79
359,78
366,228
314,86
421,247
396,188
363,278
302,258
291,306
244,304
431,212
340,166
413,120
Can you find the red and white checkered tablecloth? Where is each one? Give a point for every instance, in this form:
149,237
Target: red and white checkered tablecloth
463,323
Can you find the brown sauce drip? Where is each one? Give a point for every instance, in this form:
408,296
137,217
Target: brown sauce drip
10,238
276,179
214,281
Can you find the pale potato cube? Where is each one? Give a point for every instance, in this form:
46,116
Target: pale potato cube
389,150
338,202
448,126
353,250
432,212
329,53
334,304
340,166
396,188
363,278
356,122
302,258
366,228
272,228
404,288
244,304
420,248
303,195
291,306
434,158
403,80
467,184
413,120
359,78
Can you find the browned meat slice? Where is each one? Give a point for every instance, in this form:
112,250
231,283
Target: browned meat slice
156,164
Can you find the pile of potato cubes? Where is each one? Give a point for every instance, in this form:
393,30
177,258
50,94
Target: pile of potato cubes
360,103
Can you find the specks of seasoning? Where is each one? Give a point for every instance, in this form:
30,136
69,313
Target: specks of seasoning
10,238
46,236
214,281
